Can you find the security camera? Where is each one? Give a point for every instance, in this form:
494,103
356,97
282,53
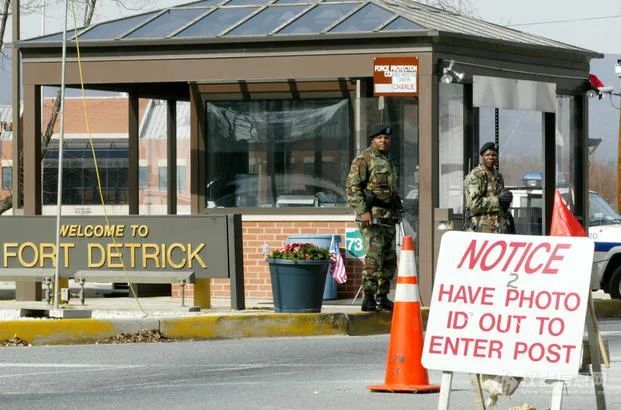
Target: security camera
618,68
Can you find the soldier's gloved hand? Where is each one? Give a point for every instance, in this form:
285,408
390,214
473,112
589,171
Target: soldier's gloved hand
504,198
366,219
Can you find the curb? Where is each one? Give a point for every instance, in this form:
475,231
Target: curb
230,326
71,331
254,325
233,326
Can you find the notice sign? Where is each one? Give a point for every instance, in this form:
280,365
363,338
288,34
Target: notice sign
509,305
395,76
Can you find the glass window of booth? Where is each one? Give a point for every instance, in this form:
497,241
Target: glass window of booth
451,146
565,141
520,159
277,153
297,153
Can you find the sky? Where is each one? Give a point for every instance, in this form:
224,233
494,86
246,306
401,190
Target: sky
583,25
597,28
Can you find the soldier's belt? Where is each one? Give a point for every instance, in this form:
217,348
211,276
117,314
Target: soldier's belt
384,221
488,217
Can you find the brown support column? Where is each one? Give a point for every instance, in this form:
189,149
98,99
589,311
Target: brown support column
197,151
133,153
202,287
580,137
32,174
549,168
32,149
17,128
171,146
428,171
471,130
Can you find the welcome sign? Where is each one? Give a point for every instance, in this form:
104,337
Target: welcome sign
198,243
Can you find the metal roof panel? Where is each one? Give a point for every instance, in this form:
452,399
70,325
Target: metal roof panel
261,18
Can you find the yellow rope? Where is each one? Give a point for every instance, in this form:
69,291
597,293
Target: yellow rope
90,140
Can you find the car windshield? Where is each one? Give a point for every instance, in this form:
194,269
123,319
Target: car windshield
600,213
279,191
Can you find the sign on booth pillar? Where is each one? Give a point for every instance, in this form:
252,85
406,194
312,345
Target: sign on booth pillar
509,305
395,76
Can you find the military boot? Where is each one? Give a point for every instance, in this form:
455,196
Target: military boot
369,304
383,303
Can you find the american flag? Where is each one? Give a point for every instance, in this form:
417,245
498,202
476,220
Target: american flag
337,267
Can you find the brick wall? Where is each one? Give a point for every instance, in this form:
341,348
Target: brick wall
273,233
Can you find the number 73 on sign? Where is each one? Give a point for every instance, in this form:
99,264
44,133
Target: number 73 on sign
354,244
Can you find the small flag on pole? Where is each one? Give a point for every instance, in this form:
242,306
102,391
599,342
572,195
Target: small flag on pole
337,267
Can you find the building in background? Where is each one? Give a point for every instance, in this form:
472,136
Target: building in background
107,123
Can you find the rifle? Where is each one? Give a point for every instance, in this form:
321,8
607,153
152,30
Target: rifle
468,220
371,200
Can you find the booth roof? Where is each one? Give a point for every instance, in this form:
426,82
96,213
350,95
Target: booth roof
208,20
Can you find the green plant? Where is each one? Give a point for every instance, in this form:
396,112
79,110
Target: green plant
301,252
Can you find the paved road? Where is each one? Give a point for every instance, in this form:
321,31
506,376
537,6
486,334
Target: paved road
279,373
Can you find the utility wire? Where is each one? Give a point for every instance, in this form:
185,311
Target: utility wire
92,146
537,23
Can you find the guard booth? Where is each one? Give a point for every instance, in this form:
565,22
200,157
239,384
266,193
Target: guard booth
282,98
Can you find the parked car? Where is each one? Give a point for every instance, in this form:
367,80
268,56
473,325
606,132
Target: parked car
604,229
283,190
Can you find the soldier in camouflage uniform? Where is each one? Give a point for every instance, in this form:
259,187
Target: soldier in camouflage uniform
372,192
487,203
486,198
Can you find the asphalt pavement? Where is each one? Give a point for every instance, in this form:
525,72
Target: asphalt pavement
277,374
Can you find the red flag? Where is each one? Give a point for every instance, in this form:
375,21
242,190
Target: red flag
564,223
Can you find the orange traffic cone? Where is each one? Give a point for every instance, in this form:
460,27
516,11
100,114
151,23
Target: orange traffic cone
404,370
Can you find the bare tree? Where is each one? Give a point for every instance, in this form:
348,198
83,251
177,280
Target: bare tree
458,6
602,178
86,8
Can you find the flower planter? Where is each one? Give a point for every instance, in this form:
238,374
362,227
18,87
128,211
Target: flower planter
297,285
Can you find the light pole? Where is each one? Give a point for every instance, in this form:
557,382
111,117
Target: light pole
618,72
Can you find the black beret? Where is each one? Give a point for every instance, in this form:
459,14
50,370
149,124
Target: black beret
380,129
488,146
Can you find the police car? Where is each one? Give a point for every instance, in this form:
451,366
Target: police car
604,229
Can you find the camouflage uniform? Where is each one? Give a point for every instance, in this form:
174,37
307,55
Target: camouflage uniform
481,189
376,172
